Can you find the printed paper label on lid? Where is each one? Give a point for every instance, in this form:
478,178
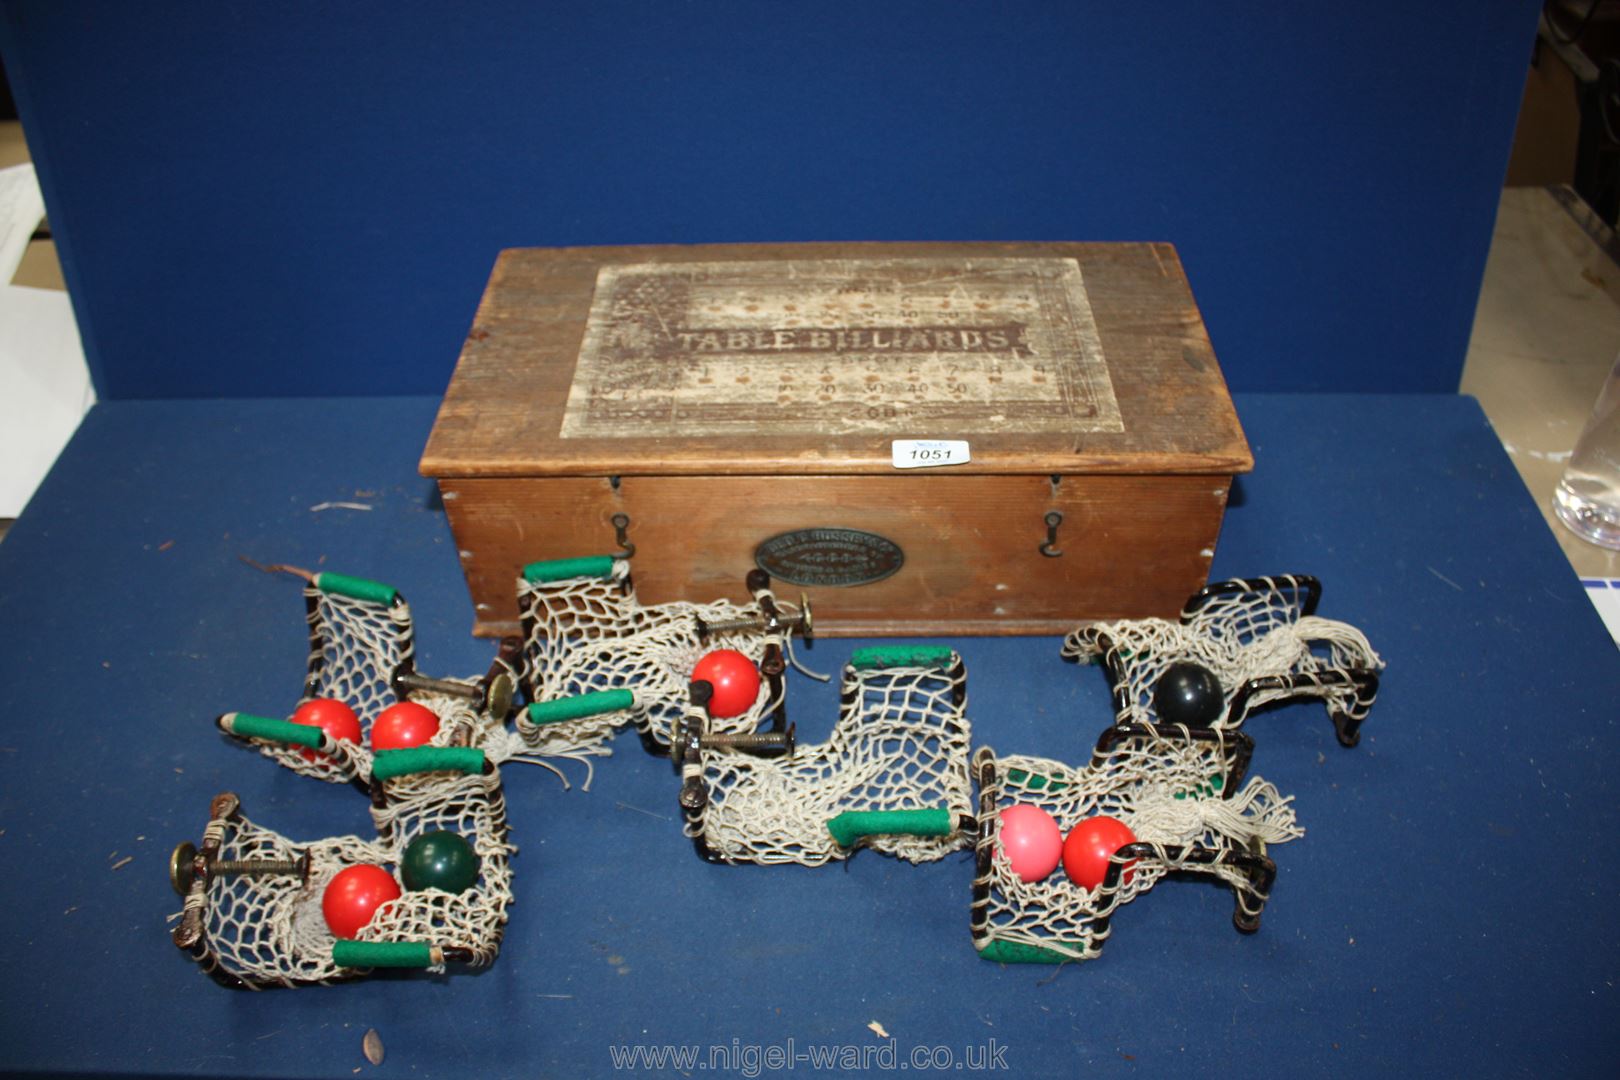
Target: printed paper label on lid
831,347
929,453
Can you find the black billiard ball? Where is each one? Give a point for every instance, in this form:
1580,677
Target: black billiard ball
1189,694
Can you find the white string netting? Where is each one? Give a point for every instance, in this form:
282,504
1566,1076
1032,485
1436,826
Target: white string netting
1238,637
355,645
1165,788
474,807
460,723
589,634
901,743
269,930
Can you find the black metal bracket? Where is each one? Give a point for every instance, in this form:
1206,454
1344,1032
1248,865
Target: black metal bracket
1258,871
1306,590
1346,721
1236,747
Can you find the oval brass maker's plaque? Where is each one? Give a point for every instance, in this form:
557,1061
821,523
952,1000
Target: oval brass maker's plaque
829,557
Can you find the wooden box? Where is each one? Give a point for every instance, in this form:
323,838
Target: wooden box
739,405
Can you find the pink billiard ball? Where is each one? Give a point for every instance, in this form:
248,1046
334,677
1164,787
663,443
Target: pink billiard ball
1031,841
403,725
331,716
353,896
1091,844
735,680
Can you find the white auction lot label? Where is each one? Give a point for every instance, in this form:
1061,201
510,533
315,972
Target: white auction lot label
929,453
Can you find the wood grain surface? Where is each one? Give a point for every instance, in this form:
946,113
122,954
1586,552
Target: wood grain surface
1132,545
504,411
722,395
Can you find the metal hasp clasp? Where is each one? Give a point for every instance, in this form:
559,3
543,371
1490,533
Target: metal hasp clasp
1049,547
621,530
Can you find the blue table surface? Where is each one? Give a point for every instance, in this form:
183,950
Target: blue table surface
1450,910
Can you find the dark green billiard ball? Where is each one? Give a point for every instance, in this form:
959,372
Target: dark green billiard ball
1189,694
439,860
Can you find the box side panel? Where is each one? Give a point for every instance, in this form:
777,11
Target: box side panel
970,545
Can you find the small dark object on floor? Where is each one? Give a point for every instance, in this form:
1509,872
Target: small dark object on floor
1189,694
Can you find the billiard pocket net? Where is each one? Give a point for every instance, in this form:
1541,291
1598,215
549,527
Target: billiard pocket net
361,636
413,794
359,632
1261,640
1180,791
893,775
257,930
595,660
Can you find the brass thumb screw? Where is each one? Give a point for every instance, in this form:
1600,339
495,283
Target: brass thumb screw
800,620
498,700
757,740
183,867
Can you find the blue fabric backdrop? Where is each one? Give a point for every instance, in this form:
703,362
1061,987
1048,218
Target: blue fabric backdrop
300,199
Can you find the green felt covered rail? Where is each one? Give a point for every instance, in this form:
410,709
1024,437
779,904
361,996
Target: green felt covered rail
248,726
891,656
595,703
355,588
851,825
1035,781
1016,952
394,954
537,573
388,764
1216,784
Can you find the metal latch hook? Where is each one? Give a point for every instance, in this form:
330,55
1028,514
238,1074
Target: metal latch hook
1049,547
621,527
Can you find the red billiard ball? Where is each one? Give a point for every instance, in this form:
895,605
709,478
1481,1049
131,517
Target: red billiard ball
403,725
331,716
353,896
735,680
1031,841
1091,844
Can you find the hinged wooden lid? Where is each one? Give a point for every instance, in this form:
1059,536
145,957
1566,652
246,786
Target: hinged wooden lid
813,358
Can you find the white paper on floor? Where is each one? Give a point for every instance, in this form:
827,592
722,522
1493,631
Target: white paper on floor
1605,594
45,385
